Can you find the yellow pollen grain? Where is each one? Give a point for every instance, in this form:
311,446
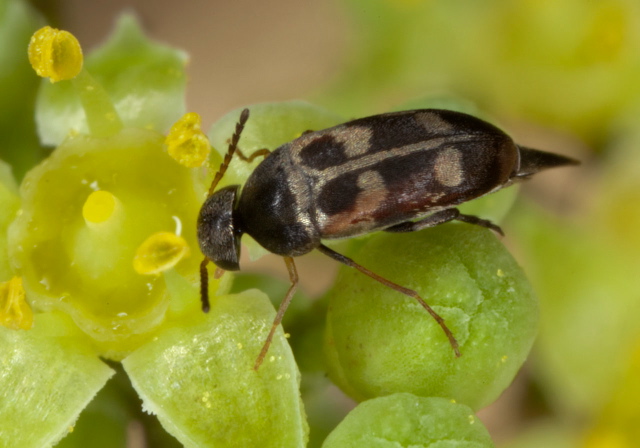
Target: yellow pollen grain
99,207
500,273
15,312
55,54
160,252
186,143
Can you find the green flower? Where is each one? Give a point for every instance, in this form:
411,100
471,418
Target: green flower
104,243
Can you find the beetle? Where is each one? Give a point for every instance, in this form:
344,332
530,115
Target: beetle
394,172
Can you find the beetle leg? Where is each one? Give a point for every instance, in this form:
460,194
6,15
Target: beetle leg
293,276
441,217
264,152
204,285
480,222
432,220
406,291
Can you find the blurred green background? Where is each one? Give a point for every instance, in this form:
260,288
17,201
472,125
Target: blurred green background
557,75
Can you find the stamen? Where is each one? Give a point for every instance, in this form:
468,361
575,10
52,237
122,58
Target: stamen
15,312
186,142
160,252
55,54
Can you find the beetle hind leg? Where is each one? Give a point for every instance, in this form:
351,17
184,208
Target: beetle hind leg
437,218
470,219
401,289
432,220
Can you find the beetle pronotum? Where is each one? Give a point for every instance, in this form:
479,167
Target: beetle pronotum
396,172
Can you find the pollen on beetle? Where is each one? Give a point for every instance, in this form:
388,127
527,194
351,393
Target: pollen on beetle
99,207
186,142
15,312
55,54
160,252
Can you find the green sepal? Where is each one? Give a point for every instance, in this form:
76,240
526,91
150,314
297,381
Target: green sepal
145,81
199,378
50,373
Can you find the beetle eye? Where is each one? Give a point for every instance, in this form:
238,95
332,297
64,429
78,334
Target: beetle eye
217,233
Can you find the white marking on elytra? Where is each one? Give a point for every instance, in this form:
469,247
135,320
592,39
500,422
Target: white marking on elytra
448,167
370,180
433,122
356,139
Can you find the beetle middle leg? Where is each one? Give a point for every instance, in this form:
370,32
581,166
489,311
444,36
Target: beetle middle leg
293,276
437,218
264,152
406,291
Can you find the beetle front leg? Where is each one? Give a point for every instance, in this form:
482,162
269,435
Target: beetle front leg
293,276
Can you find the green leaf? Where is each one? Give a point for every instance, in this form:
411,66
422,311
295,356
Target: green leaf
49,374
18,86
199,380
379,341
145,81
410,421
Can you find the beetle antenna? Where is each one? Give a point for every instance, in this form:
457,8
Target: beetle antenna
233,145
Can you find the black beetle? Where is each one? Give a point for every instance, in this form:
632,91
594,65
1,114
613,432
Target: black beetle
397,172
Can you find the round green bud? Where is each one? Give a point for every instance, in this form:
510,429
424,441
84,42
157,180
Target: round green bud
407,420
380,342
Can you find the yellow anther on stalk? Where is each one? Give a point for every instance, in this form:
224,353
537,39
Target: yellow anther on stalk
99,207
160,252
15,312
186,142
55,54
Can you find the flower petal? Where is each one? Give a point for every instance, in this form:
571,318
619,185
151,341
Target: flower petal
48,376
200,382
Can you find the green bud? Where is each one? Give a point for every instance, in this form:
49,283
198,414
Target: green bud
379,341
406,420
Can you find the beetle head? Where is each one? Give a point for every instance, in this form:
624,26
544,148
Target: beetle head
218,234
